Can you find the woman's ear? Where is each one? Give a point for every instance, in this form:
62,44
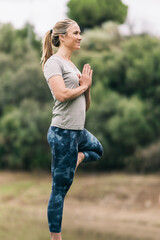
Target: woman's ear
61,37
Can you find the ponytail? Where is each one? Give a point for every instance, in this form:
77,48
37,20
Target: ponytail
47,48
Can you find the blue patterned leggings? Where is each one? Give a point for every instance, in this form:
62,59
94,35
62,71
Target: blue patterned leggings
65,145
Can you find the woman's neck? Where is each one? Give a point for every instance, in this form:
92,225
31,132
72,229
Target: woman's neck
64,53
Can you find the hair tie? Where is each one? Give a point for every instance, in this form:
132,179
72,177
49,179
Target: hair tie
51,31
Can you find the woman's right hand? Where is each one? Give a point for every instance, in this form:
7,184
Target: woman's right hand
86,77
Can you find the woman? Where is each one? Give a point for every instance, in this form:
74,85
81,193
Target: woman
70,143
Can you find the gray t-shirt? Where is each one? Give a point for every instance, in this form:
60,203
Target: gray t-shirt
71,113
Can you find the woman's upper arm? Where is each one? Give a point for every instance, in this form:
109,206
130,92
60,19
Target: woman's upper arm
57,85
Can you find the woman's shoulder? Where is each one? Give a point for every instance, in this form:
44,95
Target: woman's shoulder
52,67
53,59
53,62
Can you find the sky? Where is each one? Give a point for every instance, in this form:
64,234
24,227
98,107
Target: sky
143,15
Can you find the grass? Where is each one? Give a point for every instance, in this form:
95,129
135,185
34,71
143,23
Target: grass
97,207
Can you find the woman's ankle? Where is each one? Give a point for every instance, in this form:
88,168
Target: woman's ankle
56,236
81,157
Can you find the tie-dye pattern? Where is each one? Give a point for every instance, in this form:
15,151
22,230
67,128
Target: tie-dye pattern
65,145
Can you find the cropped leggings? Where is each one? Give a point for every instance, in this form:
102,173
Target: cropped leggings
65,145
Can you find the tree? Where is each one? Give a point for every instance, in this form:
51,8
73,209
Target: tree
27,83
23,137
125,109
14,39
92,13
24,100
124,114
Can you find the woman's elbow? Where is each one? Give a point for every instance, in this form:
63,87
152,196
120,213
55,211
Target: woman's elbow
87,107
61,97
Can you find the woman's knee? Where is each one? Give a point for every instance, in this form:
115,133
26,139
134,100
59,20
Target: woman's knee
100,150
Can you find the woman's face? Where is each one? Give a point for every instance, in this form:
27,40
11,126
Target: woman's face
73,37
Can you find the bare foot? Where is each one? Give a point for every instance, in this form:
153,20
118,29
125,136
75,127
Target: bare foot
56,236
81,156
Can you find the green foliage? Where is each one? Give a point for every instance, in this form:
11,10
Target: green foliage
17,40
137,66
7,36
27,82
98,39
124,114
125,110
23,145
92,13
145,159
24,100
120,123
28,33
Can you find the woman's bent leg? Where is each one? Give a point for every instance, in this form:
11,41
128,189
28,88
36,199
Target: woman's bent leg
64,159
90,146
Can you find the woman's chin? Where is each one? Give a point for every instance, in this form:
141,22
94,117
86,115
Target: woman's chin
77,48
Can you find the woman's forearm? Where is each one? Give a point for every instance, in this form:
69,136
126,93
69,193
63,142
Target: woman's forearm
88,98
68,94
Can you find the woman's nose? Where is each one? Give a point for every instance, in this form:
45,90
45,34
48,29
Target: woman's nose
80,37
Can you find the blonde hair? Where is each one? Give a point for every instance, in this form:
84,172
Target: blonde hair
51,38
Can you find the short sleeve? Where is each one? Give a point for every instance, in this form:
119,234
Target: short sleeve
52,67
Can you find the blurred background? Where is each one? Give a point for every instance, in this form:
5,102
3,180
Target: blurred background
117,197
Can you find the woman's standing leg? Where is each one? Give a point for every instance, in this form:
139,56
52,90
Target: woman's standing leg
64,159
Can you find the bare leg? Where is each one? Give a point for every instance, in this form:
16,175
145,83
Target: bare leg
81,156
56,236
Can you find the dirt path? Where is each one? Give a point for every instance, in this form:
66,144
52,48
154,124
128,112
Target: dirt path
86,215
119,204
127,206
